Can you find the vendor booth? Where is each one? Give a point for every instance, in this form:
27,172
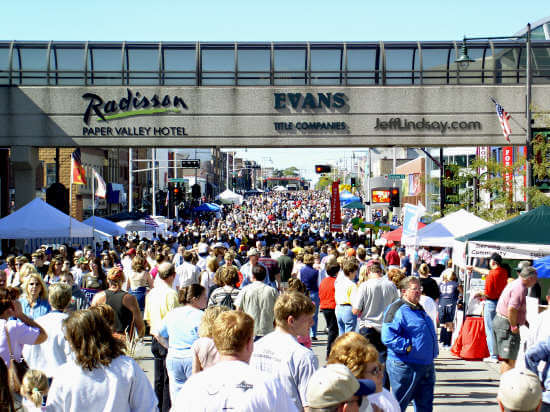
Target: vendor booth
40,223
105,226
229,197
524,237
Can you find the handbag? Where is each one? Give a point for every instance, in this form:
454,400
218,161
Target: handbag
16,370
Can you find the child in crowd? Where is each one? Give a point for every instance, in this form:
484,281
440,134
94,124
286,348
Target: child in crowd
34,389
299,286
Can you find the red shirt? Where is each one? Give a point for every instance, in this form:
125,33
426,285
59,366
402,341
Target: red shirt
495,282
326,293
392,258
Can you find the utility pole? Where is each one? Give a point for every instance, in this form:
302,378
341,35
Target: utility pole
441,176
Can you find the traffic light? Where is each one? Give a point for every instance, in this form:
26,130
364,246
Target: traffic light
177,194
322,169
196,191
394,197
352,182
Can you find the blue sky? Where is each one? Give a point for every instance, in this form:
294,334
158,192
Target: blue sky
282,20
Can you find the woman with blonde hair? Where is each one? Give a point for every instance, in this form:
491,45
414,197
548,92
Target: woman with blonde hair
361,358
33,390
25,270
204,351
139,280
207,275
429,286
34,300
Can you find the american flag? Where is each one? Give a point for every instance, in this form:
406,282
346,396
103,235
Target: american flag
504,118
150,222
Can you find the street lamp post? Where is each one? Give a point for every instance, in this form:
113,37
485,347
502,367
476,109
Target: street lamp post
463,62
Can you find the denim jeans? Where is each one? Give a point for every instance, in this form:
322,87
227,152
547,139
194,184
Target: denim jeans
161,377
347,321
315,298
411,382
489,312
179,369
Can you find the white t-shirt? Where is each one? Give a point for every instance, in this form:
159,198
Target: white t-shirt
186,274
122,387
430,307
52,353
385,401
279,354
232,386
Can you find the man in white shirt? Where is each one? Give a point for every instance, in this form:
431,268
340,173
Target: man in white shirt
279,352
231,384
187,273
178,257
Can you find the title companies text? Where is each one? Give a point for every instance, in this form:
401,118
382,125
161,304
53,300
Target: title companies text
397,123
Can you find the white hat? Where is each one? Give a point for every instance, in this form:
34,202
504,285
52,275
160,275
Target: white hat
203,248
334,384
253,252
519,390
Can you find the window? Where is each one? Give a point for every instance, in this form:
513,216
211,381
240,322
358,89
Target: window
218,66
4,64
179,66
254,66
326,66
434,65
67,65
105,65
362,66
142,66
32,62
401,64
290,66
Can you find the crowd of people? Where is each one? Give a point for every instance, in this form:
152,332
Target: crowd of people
231,302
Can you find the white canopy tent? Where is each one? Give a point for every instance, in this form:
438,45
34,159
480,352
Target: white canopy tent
279,189
37,219
105,226
442,232
229,197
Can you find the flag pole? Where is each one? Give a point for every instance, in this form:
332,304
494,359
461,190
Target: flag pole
71,197
93,209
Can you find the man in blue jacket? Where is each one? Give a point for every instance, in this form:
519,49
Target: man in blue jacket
409,334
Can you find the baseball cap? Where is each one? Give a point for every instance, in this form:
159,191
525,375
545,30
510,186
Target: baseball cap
528,271
519,390
334,384
253,252
523,264
218,245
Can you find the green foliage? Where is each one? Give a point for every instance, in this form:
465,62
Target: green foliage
291,171
323,183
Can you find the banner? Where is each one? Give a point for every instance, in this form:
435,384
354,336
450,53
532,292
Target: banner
483,154
412,215
522,251
414,184
335,213
508,161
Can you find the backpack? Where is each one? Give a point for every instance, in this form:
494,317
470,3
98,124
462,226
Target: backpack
227,301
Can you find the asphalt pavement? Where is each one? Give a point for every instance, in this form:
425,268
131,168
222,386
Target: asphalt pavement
460,385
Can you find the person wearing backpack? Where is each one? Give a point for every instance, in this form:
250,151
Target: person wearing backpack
226,295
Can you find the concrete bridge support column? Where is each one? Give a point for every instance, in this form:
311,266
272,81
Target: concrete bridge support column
24,160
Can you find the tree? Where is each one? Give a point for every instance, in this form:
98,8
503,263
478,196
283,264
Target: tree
323,183
291,171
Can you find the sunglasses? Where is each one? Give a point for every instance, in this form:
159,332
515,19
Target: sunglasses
376,371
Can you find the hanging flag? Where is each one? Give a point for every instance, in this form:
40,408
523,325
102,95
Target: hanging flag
150,222
167,198
335,213
78,174
101,190
504,118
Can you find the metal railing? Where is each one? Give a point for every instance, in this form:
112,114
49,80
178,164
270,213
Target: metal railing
267,64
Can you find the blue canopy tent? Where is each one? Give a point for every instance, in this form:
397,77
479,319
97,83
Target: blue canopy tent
543,267
207,207
347,197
